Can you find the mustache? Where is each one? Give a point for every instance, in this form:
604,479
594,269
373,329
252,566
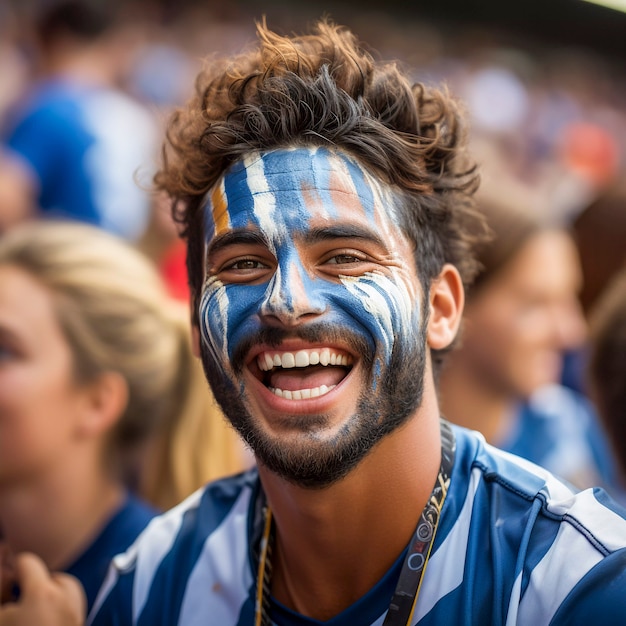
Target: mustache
315,333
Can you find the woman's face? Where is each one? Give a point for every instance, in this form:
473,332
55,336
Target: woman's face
520,322
39,400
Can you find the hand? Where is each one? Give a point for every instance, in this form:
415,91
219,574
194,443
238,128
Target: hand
45,599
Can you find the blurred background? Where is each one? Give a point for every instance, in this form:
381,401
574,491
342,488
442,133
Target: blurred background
86,89
543,84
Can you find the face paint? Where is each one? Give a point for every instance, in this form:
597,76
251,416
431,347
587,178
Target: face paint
285,203
305,184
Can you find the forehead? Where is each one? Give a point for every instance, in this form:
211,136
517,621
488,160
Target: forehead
546,262
295,188
26,306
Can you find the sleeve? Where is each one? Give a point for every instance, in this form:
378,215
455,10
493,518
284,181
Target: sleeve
599,597
36,139
52,141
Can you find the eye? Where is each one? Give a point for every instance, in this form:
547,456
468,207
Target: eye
243,269
245,264
346,261
344,256
343,259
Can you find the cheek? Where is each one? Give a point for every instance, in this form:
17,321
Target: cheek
35,420
227,315
213,318
386,307
383,309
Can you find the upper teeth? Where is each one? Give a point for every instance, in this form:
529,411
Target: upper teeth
303,358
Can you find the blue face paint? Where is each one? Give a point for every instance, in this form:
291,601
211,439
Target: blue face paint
284,196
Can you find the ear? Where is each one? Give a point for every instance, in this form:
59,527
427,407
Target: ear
106,399
447,298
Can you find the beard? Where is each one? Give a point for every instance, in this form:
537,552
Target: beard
386,403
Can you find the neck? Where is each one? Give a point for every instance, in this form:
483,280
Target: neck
57,516
467,400
334,544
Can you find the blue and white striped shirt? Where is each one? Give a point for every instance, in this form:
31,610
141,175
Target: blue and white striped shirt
514,546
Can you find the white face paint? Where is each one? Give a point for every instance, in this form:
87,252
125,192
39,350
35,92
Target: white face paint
283,196
310,286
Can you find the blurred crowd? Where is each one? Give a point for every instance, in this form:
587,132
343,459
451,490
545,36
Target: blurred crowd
548,124
85,92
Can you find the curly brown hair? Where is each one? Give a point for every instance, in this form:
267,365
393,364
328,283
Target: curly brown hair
324,89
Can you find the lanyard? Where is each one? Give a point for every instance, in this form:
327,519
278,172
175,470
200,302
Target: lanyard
404,599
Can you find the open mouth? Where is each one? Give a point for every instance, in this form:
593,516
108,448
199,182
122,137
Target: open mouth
303,374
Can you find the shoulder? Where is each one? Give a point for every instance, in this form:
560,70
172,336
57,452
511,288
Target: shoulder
559,402
209,527
49,121
48,101
542,543
485,467
599,597
201,514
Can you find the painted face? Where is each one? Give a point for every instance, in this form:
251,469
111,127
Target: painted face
310,311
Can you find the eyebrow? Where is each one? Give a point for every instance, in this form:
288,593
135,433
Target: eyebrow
344,231
234,237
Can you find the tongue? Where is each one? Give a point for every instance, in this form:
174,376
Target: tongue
306,377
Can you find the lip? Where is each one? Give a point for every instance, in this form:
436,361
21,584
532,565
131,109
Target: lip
274,403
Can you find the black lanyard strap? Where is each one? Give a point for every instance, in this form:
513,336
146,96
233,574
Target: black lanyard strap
407,590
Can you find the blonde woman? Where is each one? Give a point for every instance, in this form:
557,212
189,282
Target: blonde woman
99,391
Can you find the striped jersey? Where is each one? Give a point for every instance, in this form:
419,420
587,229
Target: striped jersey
514,546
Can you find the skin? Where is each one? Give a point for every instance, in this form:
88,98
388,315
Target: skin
35,372
321,263
270,268
52,434
530,312
46,599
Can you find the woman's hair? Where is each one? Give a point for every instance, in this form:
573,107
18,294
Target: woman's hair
510,228
607,362
116,316
324,89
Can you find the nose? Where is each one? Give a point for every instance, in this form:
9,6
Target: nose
291,297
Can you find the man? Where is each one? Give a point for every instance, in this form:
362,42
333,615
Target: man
325,201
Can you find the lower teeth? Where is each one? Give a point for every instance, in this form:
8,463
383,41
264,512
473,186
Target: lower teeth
302,394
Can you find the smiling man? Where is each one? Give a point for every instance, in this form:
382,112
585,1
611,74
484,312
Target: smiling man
311,315
326,204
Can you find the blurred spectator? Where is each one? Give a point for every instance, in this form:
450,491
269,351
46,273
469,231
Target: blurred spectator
74,143
13,65
600,231
607,367
521,314
99,390
162,244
